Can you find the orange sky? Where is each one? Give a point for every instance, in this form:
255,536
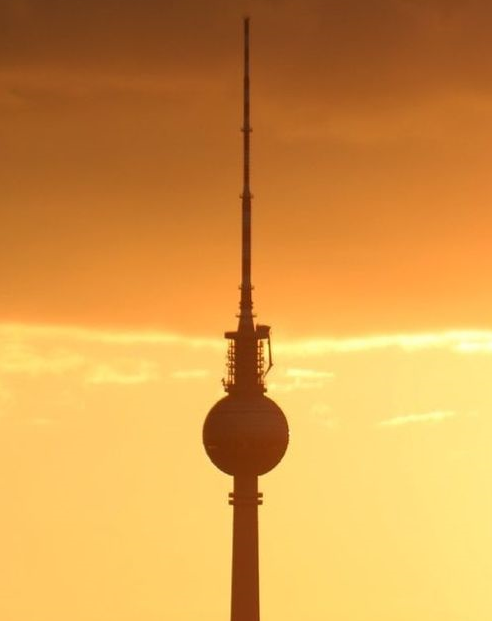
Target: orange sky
121,163
119,240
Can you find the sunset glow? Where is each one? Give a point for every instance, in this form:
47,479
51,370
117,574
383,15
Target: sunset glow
389,452
119,241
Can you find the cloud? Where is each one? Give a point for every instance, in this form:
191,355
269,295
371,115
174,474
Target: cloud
429,417
343,50
190,374
309,374
22,88
301,379
142,373
297,384
20,358
459,341
20,332
19,353
409,120
475,346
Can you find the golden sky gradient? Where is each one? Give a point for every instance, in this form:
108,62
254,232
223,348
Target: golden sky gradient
121,163
119,238
111,510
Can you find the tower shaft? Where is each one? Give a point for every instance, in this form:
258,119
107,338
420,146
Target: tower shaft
245,595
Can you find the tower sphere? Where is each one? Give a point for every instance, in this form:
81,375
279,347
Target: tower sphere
245,434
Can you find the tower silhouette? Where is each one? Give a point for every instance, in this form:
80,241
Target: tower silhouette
245,434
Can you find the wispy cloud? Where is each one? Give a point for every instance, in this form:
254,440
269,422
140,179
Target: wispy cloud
20,358
475,346
190,374
141,373
309,374
22,332
459,341
301,379
436,416
22,87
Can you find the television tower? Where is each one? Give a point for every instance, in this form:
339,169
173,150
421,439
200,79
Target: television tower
245,434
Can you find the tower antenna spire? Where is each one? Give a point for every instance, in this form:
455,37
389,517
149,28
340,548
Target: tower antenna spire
246,304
